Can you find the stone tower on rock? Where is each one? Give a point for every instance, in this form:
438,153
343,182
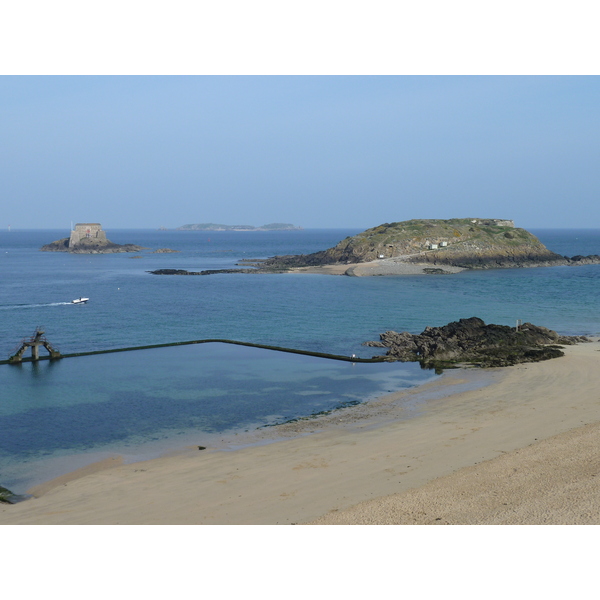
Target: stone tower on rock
91,232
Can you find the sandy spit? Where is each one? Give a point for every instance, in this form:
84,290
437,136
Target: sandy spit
523,449
384,267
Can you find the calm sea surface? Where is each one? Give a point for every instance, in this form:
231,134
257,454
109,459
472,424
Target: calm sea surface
159,398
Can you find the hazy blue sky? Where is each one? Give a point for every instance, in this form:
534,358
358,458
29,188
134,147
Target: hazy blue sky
313,151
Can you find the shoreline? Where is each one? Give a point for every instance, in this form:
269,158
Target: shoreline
347,458
379,268
399,266
373,411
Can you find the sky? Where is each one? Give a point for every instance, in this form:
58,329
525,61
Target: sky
314,151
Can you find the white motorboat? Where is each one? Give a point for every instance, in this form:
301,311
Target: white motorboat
79,301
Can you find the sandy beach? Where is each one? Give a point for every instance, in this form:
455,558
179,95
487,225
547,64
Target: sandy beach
523,449
383,267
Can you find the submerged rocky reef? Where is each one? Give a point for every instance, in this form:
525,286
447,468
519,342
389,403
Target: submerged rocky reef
472,342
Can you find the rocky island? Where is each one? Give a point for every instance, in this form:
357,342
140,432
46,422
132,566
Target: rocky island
432,246
417,247
472,342
88,238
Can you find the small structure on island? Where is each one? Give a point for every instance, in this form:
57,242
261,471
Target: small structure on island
88,238
87,231
34,342
494,222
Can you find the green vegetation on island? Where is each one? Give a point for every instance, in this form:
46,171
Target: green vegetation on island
467,243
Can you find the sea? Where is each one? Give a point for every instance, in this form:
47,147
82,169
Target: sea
59,415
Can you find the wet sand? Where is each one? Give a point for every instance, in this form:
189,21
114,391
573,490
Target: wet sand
520,450
383,267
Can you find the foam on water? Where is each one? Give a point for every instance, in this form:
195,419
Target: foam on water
22,306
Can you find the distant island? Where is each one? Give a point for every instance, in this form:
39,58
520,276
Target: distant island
416,247
88,238
218,227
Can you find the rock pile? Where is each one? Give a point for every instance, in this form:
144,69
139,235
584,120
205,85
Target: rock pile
471,341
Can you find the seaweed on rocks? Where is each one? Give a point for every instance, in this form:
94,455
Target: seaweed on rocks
207,272
7,497
472,342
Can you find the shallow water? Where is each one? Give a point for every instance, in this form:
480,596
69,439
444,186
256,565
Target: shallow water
119,402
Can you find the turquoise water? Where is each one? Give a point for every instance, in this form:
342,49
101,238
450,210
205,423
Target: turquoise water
103,403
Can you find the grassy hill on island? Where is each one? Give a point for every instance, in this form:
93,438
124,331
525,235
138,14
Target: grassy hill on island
468,243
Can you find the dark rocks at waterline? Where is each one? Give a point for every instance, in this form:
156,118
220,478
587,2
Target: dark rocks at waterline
471,341
7,497
90,247
5,494
505,260
208,272
172,272
252,262
472,260
434,271
591,259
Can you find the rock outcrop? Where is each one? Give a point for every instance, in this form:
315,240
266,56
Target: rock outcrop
207,272
5,494
471,341
88,238
7,497
93,247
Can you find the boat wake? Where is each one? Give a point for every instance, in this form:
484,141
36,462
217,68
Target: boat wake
19,306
